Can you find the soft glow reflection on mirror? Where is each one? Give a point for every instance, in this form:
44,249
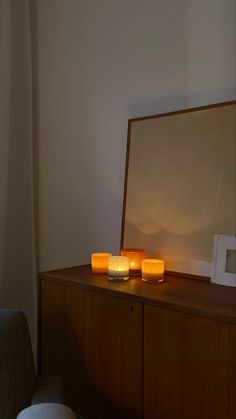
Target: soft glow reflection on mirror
181,186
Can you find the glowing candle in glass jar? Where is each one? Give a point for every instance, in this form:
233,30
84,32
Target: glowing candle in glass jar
135,259
99,262
118,268
152,270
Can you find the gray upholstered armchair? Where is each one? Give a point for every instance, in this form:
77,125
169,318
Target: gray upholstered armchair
19,386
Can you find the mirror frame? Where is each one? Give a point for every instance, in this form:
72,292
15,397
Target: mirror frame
156,116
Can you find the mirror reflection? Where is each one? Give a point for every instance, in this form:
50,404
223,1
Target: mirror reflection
181,185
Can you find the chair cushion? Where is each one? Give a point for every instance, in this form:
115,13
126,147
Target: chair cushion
17,371
47,411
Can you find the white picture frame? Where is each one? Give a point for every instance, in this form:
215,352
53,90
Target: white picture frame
224,260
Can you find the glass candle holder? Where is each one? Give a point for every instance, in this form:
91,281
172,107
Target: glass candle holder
99,262
135,259
118,268
152,270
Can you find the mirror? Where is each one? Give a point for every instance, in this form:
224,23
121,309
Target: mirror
180,185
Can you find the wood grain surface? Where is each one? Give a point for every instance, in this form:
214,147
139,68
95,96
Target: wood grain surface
189,367
133,350
186,295
94,342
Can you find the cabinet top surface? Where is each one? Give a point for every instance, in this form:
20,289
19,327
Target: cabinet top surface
191,296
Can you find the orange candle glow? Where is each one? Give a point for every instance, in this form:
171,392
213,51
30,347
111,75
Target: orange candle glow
99,262
135,259
118,268
152,270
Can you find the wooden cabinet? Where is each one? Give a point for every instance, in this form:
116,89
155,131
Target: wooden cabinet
132,350
94,342
189,366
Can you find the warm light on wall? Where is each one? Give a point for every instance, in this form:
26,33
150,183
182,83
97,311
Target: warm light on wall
152,270
99,262
118,268
135,259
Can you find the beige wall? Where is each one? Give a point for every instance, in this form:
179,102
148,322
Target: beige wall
100,63
17,251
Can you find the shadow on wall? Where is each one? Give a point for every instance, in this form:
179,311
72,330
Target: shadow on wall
18,271
171,103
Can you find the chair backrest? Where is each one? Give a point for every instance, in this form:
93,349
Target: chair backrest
17,370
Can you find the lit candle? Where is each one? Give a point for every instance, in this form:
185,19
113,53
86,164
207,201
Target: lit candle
118,268
135,259
99,262
152,270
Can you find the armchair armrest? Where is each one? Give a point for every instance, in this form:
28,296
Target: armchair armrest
48,390
47,411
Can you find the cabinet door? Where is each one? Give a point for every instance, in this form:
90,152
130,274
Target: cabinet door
94,342
189,367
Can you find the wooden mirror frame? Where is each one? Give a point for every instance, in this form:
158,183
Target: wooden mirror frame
130,124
